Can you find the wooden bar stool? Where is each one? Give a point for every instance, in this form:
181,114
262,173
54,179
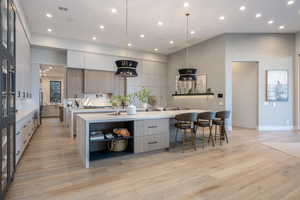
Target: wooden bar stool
204,120
185,123
220,122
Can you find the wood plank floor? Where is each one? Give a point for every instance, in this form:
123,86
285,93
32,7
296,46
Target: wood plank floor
244,169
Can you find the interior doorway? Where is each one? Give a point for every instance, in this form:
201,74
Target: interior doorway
245,94
52,90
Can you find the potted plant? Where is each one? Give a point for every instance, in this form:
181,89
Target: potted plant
116,102
143,96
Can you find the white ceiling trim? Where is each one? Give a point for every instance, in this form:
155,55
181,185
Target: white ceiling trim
76,45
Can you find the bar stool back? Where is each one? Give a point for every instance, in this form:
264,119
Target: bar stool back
185,122
220,122
204,120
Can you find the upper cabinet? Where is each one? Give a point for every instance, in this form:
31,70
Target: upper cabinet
75,59
74,83
83,60
96,81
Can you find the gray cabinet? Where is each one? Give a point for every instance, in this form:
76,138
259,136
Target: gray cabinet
96,81
74,82
150,135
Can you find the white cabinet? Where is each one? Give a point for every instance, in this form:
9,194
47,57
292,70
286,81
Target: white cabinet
100,62
75,59
24,132
84,60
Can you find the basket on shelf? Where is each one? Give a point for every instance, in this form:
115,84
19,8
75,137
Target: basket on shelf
118,145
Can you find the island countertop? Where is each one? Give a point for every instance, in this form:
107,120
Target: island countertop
109,117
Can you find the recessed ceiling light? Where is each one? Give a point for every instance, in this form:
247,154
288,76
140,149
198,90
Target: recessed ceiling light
258,15
49,30
186,4
281,27
193,32
49,15
160,23
129,44
142,36
222,18
155,49
271,22
291,2
101,27
242,8
94,38
114,10
171,42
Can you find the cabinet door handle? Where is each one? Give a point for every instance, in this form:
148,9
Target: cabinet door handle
18,133
18,152
154,142
152,126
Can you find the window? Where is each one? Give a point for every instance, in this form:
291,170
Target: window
55,91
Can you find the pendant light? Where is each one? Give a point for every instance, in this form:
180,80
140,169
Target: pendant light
126,68
187,74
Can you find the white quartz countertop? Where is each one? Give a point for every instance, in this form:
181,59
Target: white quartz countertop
21,114
108,117
98,110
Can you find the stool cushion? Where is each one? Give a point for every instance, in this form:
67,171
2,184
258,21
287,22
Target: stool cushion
183,125
218,122
203,123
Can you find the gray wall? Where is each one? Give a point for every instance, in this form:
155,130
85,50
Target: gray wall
272,51
208,57
245,94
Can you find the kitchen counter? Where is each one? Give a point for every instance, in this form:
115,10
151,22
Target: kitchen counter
101,117
149,130
75,112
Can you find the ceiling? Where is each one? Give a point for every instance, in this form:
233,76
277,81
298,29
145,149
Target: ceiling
52,71
83,19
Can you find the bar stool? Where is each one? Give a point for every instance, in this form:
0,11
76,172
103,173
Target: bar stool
204,120
220,122
185,123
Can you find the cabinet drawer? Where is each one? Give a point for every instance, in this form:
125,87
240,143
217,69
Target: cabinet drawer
160,126
19,145
155,142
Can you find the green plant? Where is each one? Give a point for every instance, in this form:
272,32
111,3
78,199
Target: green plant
121,100
143,95
116,101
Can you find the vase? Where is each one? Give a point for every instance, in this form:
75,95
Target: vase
145,106
131,109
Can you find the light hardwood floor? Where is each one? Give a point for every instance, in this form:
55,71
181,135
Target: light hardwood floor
244,169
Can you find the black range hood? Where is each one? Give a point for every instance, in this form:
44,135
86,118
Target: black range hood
187,74
126,68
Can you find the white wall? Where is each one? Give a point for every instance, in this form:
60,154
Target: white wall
272,51
23,67
244,94
208,57
297,81
45,85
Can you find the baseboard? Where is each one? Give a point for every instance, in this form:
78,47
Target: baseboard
275,128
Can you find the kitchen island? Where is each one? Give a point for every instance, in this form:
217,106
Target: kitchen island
149,131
